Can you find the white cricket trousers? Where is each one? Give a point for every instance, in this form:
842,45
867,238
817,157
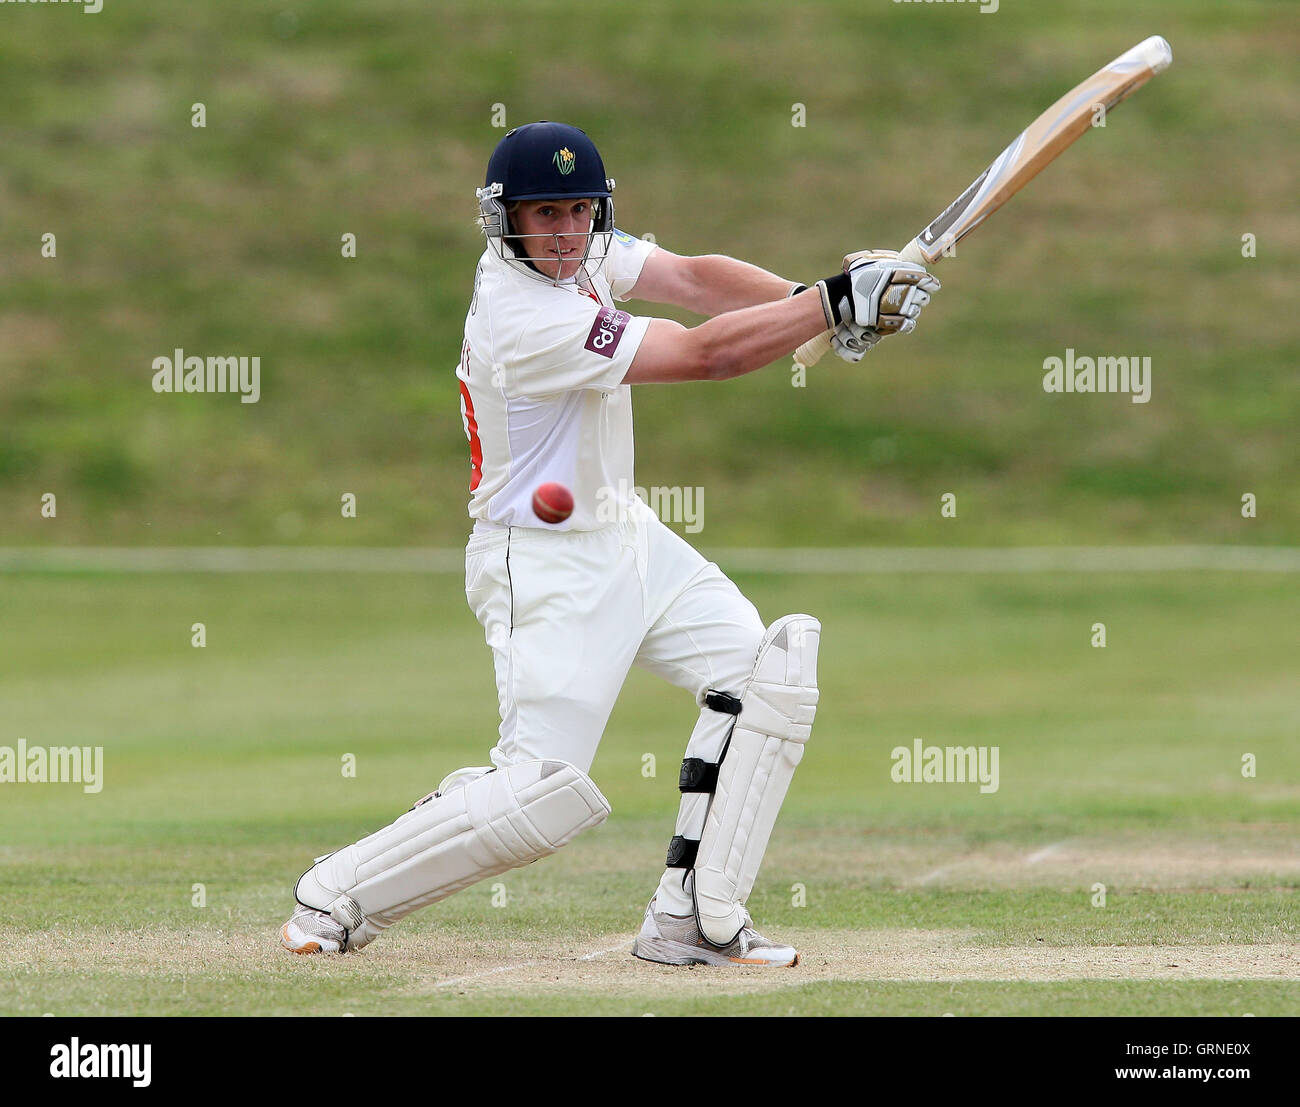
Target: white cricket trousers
568,613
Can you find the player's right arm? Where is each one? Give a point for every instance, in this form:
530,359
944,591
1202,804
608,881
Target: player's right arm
876,290
728,345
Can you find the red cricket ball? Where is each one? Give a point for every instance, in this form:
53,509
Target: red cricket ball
552,503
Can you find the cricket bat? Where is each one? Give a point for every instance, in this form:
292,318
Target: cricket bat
1035,146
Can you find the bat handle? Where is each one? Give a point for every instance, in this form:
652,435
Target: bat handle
912,252
811,352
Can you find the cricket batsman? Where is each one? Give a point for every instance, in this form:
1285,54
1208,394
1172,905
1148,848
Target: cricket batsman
546,374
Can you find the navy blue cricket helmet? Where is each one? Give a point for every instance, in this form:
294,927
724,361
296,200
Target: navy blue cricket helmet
547,161
544,161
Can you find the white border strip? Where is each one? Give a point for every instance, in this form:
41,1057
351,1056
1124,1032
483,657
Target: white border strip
845,560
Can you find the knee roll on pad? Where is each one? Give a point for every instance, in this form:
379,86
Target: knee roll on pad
495,822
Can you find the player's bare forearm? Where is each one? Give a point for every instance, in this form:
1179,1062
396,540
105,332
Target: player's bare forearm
728,345
711,284
738,342
726,284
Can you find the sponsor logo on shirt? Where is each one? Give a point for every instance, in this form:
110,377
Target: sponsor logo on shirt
607,331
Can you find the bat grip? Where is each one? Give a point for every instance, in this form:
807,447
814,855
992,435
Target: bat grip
811,352
912,252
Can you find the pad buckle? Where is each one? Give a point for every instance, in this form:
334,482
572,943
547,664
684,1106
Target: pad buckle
722,701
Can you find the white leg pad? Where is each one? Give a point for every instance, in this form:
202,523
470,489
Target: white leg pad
495,822
766,744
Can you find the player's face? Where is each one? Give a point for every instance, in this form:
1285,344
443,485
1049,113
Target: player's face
570,220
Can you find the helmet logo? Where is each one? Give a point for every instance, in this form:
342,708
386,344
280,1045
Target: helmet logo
565,161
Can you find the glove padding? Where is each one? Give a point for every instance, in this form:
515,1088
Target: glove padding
852,342
888,293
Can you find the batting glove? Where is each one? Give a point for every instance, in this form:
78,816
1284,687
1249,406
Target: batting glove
877,290
852,342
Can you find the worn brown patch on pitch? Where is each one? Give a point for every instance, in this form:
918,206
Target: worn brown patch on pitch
876,956
412,965
866,956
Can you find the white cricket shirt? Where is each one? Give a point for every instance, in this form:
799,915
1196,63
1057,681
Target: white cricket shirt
541,390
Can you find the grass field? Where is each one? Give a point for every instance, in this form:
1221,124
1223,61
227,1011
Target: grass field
1119,766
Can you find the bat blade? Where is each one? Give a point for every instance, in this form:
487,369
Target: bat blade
1042,142
1028,154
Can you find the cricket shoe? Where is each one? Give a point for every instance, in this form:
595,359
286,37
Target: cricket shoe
311,931
676,940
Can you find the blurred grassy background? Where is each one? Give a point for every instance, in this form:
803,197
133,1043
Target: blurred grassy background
375,119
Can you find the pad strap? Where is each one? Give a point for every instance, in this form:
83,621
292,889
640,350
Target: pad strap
682,852
699,777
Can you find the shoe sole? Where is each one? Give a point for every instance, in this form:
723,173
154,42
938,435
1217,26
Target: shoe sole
662,951
301,947
767,964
